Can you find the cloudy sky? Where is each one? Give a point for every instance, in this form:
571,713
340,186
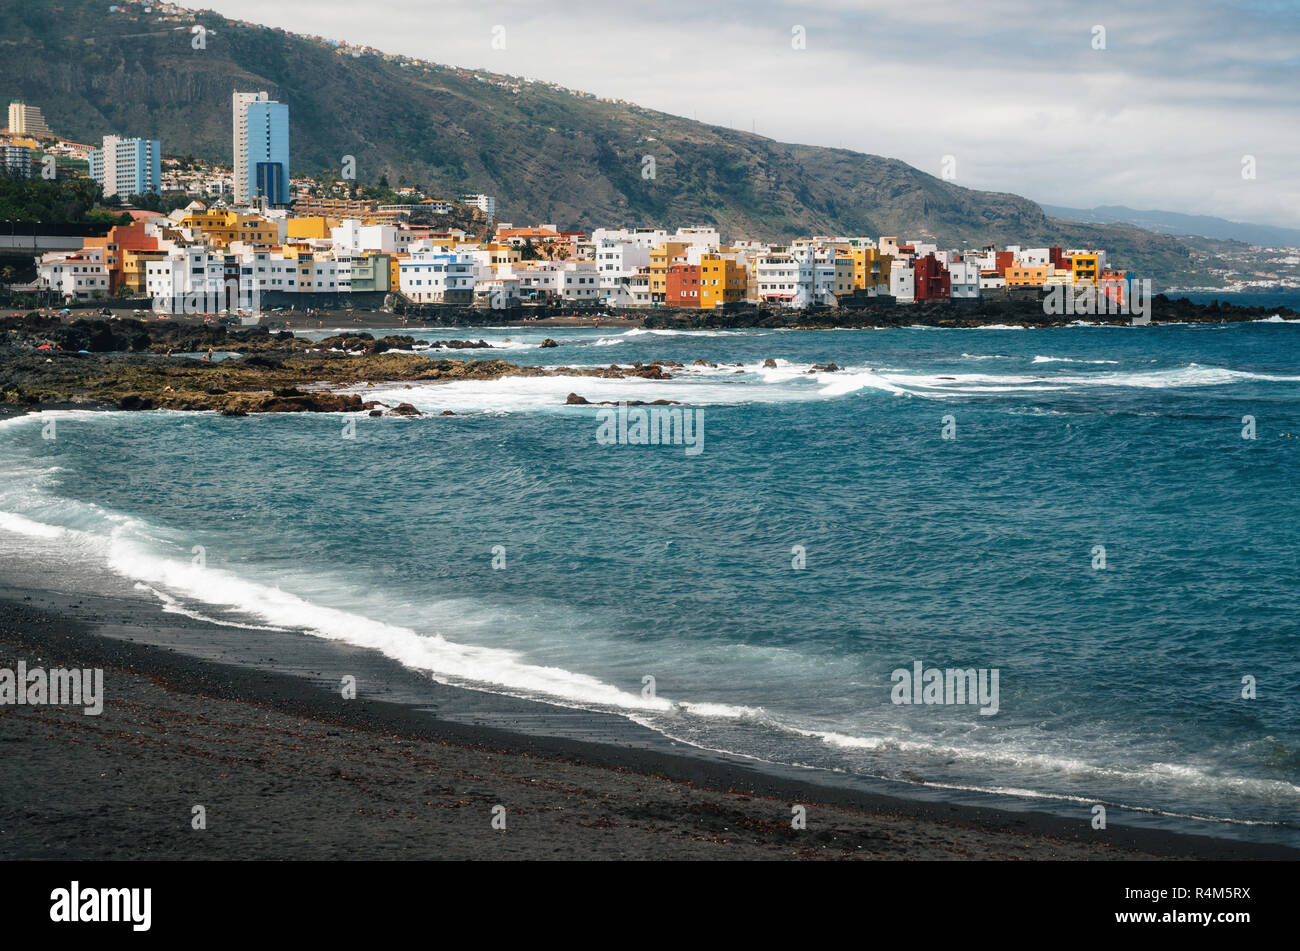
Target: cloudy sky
1016,92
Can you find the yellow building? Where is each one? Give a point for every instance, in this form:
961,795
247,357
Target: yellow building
312,226
222,227
134,262
1086,267
500,253
870,268
722,281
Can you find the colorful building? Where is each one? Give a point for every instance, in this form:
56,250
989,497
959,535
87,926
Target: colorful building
121,241
661,259
722,281
1086,267
1028,276
932,281
222,227
871,268
682,285
309,226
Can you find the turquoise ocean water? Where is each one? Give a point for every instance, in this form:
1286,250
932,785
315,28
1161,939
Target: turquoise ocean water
506,548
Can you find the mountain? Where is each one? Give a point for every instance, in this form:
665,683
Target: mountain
1171,222
546,153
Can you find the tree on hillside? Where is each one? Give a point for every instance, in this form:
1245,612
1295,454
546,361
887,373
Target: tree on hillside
62,201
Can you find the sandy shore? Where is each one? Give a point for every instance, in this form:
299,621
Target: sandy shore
286,768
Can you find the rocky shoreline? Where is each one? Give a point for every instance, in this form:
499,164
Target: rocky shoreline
47,362
275,372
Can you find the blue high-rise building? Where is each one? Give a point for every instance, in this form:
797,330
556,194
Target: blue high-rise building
266,161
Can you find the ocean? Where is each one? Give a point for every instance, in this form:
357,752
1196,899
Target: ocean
1075,509
1284,298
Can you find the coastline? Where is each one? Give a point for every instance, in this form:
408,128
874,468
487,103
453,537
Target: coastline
256,730
128,364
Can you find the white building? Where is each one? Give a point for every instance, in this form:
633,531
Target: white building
27,120
484,203
633,290
781,278
565,280
189,280
127,166
269,271
16,161
352,236
76,274
645,237
197,279
902,281
429,206
617,259
434,276
497,292
319,274
706,237
964,280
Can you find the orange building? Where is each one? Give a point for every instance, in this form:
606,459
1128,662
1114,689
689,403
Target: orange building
722,281
121,242
1023,276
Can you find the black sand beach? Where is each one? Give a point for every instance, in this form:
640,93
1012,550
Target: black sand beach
286,768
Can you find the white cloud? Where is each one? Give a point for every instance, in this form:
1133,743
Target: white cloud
1159,119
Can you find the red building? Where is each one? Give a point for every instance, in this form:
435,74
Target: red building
683,286
932,280
1003,260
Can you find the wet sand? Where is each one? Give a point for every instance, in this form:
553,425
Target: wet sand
253,727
